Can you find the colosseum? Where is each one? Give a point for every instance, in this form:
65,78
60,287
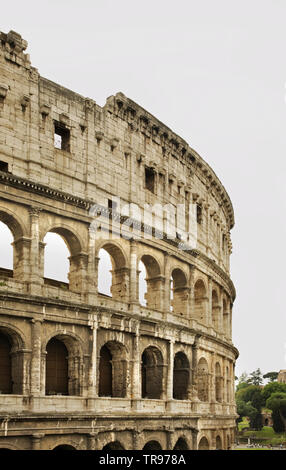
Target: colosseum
82,369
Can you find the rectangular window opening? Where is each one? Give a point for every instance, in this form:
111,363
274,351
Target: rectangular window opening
150,179
199,214
4,166
61,137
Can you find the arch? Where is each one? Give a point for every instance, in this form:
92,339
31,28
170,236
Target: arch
56,368
6,250
152,373
14,256
200,300
179,292
218,443
203,444
113,370
13,223
56,259
181,376
181,444
215,309
203,380
218,383
227,378
118,285
74,359
226,317
11,360
115,445
152,445
64,447
74,273
72,240
228,442
153,294
6,384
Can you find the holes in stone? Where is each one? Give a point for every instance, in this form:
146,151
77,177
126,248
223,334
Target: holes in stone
150,179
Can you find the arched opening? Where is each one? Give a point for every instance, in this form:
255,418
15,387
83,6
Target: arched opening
181,444
152,445
200,299
227,385
179,292
6,384
225,318
56,261
218,383
56,368
113,273
6,251
152,373
113,446
203,444
142,284
150,286
11,362
181,376
62,262
104,273
215,310
112,370
218,443
203,380
64,447
228,443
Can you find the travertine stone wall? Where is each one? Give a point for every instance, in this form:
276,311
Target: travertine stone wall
122,357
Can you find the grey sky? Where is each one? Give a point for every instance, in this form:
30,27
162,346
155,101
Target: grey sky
215,72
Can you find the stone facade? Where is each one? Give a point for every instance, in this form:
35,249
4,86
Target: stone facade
282,376
159,375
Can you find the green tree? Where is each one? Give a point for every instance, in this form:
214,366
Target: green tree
277,403
256,378
271,376
272,387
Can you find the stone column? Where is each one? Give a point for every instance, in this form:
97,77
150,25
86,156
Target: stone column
170,372
170,439
191,306
36,277
92,269
35,388
195,433
91,443
210,288
36,441
92,376
137,439
136,373
133,273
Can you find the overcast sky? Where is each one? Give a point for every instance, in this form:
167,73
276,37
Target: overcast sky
215,72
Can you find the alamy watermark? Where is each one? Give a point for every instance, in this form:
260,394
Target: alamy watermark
177,223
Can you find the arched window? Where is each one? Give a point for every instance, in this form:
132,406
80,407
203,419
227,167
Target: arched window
150,286
104,273
215,310
64,447
56,368
218,383
113,446
56,264
181,444
6,385
113,273
203,380
112,370
203,444
227,378
218,443
226,317
179,292
181,376
6,251
142,284
200,298
152,445
152,373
